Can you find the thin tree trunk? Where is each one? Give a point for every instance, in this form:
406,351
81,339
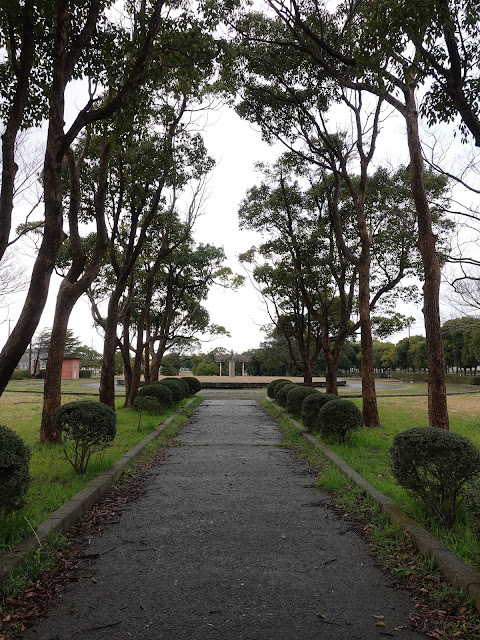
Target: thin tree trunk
370,409
107,376
13,124
307,374
73,286
437,393
52,392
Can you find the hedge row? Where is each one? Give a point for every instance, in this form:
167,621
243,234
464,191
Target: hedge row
440,468
165,393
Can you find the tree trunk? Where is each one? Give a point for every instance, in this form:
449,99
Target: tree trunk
307,374
13,124
52,391
107,376
437,392
370,409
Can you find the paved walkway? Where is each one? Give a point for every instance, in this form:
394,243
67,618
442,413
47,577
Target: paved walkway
230,541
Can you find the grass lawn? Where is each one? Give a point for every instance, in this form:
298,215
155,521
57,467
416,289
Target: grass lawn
54,480
367,451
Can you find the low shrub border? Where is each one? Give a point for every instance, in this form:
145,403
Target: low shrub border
70,513
453,569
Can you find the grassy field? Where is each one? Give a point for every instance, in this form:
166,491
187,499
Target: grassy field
54,480
367,451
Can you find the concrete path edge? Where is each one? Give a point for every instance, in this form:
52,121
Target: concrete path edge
61,520
453,569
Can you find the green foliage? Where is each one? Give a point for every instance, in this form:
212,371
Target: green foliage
337,417
19,374
86,427
193,384
434,466
205,368
311,406
272,385
185,386
14,469
279,385
472,505
296,397
167,368
146,404
282,395
161,392
177,390
85,373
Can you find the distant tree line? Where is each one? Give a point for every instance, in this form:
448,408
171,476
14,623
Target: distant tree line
461,341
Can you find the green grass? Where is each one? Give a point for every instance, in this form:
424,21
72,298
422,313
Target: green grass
54,480
367,451
398,388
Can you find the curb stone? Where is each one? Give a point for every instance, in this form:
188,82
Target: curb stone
453,569
61,520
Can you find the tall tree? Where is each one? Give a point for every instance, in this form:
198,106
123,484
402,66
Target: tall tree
49,46
146,169
342,48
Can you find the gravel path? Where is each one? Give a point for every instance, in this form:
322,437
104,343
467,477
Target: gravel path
230,541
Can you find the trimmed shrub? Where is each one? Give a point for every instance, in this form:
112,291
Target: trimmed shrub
14,469
160,392
86,427
183,384
337,417
279,386
146,404
85,373
177,389
295,398
434,466
19,374
271,386
311,408
193,383
282,395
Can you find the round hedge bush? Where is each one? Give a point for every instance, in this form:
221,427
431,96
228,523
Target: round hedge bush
282,395
194,384
14,469
279,386
295,398
434,466
311,408
177,389
160,392
337,417
183,384
86,426
271,386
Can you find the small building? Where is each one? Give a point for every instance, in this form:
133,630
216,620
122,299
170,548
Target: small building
71,369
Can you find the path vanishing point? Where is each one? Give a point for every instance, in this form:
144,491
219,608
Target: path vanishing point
230,540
